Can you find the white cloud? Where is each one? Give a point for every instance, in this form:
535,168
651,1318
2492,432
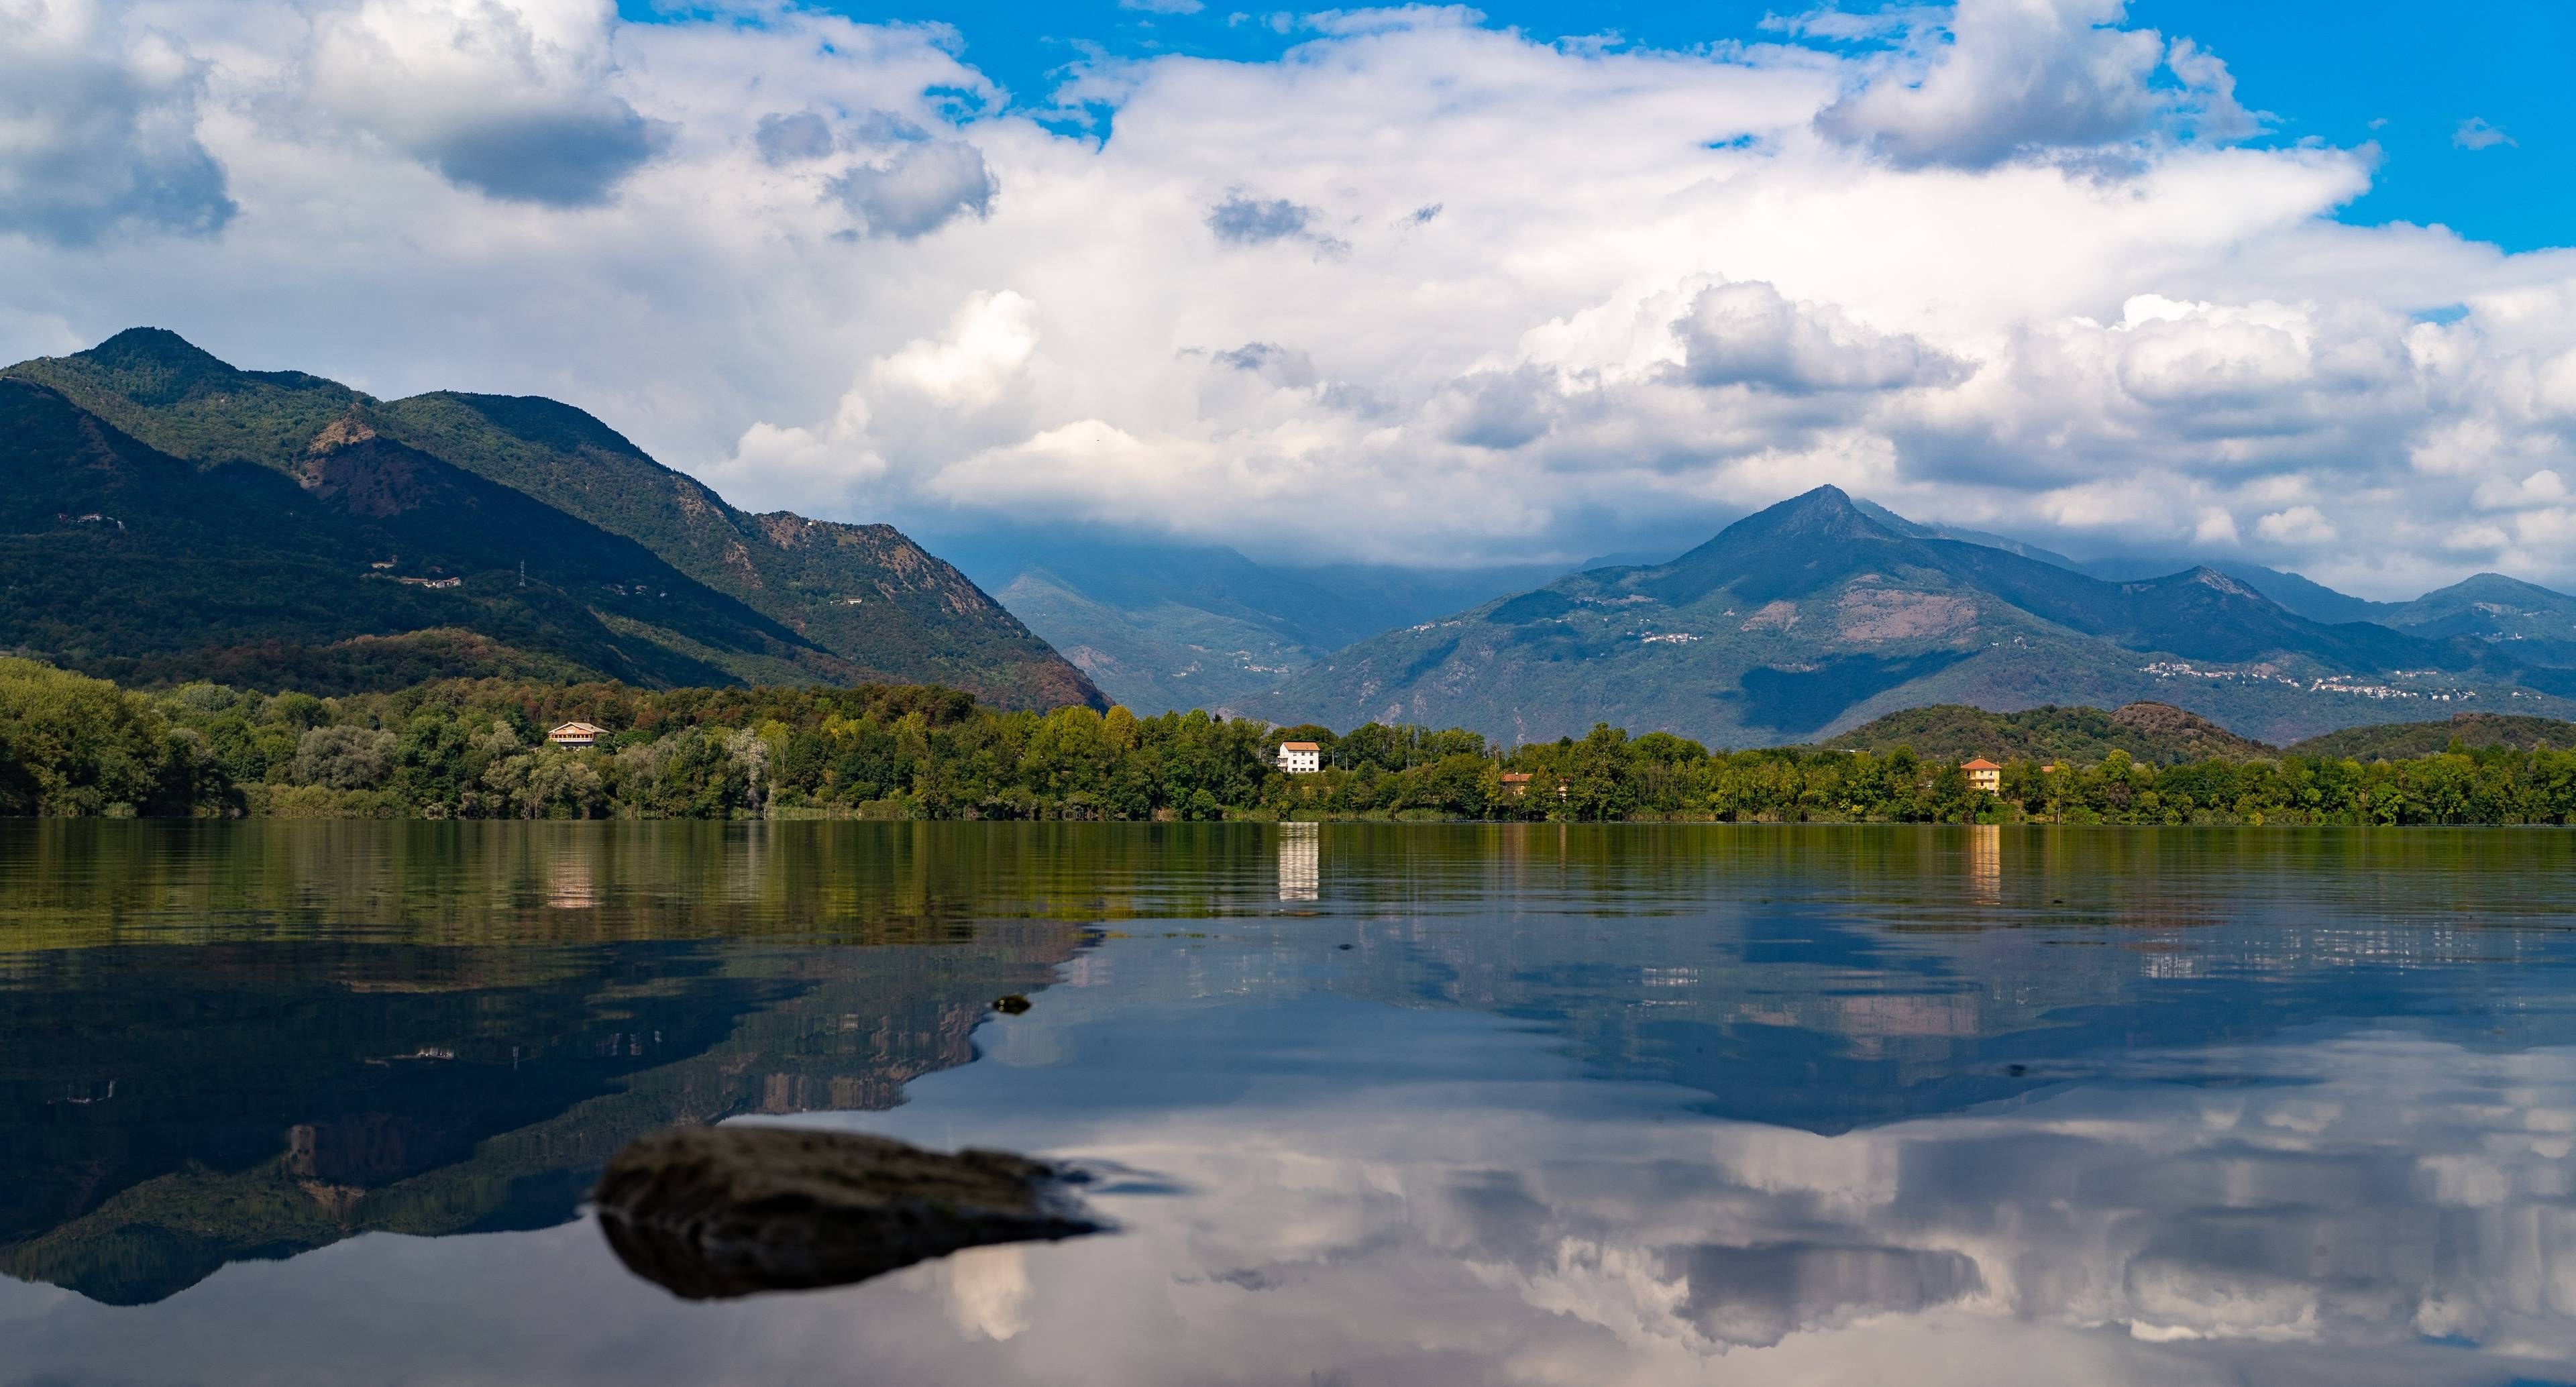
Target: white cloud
1747,334
918,190
987,344
98,134
2299,526
510,98
2476,133
2007,268
1993,79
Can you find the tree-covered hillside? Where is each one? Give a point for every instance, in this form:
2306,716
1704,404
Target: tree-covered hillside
366,564
2155,733
874,604
2471,731
478,749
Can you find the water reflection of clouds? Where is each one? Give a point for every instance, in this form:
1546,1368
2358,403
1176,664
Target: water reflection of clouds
1475,1213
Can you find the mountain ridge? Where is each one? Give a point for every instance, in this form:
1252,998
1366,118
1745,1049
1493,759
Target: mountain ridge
868,602
123,560
1811,616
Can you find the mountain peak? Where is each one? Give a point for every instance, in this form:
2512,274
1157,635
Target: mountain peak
154,347
2491,582
2207,576
1826,498
1824,513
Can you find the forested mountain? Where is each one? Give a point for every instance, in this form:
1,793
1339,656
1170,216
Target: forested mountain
2153,733
833,602
2524,621
364,564
1813,616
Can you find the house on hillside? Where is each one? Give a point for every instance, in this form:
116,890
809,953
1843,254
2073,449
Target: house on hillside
1301,758
574,734
1984,775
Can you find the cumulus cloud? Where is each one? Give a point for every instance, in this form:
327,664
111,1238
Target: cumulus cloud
2299,526
1498,409
919,189
1992,79
1996,266
98,127
785,138
1748,334
509,99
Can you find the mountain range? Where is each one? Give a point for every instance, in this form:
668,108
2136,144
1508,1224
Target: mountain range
169,516
1163,626
1818,615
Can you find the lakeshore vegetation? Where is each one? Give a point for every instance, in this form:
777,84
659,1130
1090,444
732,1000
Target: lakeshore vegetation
76,746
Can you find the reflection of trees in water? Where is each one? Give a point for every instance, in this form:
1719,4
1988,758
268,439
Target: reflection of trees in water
65,883
276,1097
220,1041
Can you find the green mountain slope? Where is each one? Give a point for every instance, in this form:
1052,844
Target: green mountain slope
2474,731
1161,655
872,604
2526,621
2157,733
1812,617
122,560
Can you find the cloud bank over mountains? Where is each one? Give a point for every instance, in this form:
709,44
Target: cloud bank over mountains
1422,289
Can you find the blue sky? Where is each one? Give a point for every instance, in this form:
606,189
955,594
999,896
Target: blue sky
2399,73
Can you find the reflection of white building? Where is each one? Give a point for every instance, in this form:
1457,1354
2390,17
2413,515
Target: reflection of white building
1985,863
1301,876
1301,758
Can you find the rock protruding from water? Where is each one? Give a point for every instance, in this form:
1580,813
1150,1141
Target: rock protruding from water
710,1212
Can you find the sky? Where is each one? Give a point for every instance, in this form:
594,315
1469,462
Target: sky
2273,284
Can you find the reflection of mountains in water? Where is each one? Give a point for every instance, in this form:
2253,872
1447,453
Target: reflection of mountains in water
1827,979
171,1110
252,1040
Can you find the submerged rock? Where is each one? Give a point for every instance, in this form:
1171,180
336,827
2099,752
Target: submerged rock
709,1212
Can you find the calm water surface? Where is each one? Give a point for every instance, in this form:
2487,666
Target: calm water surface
318,1103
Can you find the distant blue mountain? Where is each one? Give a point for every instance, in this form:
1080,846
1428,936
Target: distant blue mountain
1160,626
1818,614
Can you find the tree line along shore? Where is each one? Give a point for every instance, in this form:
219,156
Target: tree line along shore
76,746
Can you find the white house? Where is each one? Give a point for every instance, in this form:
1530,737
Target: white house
1300,758
574,734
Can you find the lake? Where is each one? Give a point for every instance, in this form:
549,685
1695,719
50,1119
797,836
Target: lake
291,1103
